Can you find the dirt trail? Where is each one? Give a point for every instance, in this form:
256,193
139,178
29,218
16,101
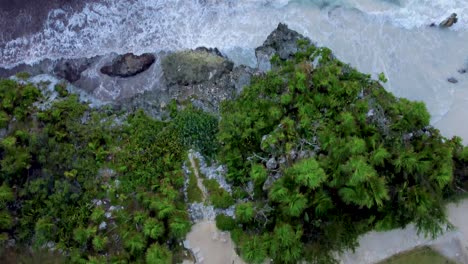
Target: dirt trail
211,246
208,244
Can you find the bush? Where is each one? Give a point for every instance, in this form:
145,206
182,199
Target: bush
197,129
353,157
225,223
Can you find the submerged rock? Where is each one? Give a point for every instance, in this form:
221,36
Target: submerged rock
128,65
448,22
462,71
452,80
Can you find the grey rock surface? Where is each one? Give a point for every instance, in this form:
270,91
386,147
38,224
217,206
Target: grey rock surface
282,42
195,66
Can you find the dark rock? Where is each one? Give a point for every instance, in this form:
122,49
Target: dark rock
432,24
128,65
452,80
462,71
195,66
71,69
452,19
283,42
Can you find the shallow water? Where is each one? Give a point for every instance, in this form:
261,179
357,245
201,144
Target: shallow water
389,36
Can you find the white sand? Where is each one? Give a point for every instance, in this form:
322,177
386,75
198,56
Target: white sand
212,246
377,246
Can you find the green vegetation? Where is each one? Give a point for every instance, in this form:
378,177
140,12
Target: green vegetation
194,194
317,154
350,158
423,255
197,130
96,189
219,197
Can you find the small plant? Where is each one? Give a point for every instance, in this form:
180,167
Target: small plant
61,89
382,77
225,223
23,75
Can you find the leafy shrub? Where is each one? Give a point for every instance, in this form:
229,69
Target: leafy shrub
353,158
197,129
225,223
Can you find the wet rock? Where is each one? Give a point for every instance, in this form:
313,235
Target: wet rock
195,66
462,71
282,41
71,69
128,65
448,22
452,80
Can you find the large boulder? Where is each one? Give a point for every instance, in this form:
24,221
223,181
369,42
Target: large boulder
128,65
282,42
195,66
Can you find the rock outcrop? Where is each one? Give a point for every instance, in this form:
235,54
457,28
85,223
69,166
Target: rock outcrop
450,21
282,42
203,76
195,66
71,69
128,65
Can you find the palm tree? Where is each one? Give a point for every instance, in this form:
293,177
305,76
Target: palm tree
157,254
6,195
255,249
135,243
153,228
100,242
244,212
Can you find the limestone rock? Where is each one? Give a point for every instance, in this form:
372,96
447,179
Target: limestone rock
195,66
272,164
282,41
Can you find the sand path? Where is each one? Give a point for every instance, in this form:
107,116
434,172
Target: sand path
208,244
211,246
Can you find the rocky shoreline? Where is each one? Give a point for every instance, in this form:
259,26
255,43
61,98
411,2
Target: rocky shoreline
150,81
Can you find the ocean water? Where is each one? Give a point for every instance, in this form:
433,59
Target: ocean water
390,36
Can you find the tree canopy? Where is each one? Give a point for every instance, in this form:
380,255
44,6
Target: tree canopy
333,155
